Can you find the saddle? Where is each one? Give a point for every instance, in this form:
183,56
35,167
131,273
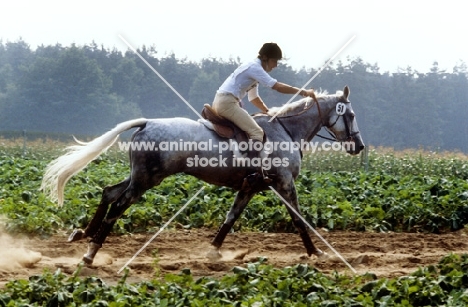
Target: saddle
223,127
227,129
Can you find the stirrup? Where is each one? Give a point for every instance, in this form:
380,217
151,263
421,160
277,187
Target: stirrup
251,180
254,179
266,179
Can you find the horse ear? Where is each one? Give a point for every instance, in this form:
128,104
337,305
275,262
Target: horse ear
346,92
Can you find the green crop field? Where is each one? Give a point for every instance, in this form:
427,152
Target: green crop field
413,191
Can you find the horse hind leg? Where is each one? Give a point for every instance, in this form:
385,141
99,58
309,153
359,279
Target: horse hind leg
127,198
109,195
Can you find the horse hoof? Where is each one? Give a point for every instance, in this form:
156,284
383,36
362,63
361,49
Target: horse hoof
214,254
93,248
88,261
76,235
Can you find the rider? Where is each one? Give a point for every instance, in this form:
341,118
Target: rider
244,82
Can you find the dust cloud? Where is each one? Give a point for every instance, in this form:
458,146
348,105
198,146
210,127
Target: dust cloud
14,255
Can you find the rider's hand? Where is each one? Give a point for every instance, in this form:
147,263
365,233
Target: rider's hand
309,93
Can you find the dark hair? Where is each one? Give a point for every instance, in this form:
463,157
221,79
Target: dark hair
271,51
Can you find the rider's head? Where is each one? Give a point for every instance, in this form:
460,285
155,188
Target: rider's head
270,51
269,54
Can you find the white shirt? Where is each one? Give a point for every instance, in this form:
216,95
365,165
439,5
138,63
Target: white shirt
246,79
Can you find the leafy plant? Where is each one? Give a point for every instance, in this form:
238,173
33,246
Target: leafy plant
420,193
254,284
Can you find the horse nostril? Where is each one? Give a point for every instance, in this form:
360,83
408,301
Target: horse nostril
361,147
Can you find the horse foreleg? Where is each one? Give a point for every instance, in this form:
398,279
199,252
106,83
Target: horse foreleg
289,194
240,202
109,195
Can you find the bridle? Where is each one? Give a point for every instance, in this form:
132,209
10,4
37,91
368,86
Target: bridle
349,135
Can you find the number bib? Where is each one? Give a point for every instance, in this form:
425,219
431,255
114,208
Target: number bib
340,108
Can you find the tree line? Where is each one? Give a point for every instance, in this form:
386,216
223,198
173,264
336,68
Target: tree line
88,89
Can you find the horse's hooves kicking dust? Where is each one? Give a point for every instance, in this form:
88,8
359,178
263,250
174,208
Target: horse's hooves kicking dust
214,254
323,256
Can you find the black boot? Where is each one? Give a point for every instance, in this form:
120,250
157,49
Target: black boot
259,176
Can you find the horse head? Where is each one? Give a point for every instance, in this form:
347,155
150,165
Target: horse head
342,124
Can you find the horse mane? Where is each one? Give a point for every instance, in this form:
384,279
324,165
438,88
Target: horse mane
299,105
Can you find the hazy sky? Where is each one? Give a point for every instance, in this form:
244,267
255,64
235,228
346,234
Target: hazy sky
394,34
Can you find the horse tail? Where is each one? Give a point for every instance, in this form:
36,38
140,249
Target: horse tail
77,157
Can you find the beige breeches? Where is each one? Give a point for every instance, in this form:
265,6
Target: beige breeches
228,106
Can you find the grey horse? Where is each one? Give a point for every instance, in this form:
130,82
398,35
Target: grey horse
163,147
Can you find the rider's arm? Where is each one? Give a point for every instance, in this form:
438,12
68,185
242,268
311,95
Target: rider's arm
288,89
255,99
258,102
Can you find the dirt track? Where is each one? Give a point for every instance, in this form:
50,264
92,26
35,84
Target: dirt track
387,255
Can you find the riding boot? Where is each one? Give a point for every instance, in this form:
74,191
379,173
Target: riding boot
259,176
